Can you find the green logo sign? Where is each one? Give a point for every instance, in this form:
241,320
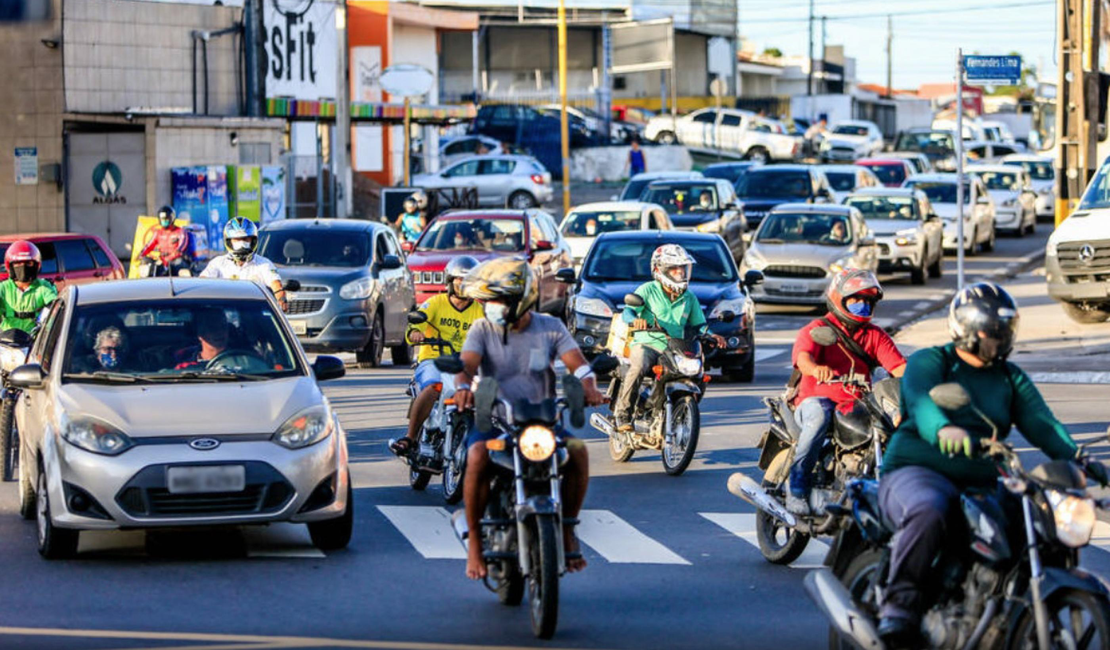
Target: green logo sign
107,180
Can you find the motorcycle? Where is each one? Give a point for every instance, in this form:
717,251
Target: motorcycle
522,530
150,267
992,590
853,448
441,447
665,414
14,345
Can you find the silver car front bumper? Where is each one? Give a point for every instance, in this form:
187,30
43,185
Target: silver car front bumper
791,291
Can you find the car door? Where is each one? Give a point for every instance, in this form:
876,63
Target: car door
463,174
562,259
76,263
35,406
104,268
932,227
405,291
729,131
390,281
540,260
698,130
495,179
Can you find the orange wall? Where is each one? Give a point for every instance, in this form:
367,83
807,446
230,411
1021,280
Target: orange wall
368,24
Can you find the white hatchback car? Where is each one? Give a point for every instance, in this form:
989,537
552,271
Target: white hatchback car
1042,174
584,223
177,403
979,232
1015,209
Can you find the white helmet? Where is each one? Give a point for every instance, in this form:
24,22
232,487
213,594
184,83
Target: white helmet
671,265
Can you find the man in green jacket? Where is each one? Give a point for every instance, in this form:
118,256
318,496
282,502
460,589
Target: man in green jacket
667,304
23,294
932,456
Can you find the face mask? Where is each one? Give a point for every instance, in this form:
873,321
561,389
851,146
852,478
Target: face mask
496,312
24,272
591,229
108,360
861,309
459,242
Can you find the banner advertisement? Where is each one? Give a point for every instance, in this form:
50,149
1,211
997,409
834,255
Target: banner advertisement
245,185
218,209
273,193
190,192
144,227
300,48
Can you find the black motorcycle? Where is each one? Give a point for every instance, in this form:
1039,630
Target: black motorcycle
1005,582
665,413
522,531
853,448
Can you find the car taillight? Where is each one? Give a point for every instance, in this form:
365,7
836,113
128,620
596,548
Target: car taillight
537,179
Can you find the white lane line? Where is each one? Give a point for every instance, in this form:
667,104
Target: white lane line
1101,537
743,526
280,540
1075,377
428,529
771,340
762,355
922,305
619,542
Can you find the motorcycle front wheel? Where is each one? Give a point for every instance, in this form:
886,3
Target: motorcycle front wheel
1076,619
779,543
456,467
543,584
685,427
419,479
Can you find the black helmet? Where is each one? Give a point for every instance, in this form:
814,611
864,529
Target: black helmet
983,320
166,216
458,268
508,280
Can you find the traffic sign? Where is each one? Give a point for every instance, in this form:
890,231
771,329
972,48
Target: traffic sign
992,69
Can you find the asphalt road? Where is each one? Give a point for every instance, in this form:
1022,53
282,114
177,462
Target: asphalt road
672,561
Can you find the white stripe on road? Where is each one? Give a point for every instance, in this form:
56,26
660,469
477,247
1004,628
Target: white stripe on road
743,526
762,355
428,529
1101,537
619,542
922,305
1074,377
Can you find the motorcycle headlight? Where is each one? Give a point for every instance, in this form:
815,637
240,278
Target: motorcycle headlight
1075,518
689,366
537,443
736,306
905,237
96,436
593,307
306,427
359,289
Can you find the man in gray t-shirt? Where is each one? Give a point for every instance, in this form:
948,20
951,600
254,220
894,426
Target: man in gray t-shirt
523,365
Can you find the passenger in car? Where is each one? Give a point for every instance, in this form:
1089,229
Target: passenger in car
109,352
212,334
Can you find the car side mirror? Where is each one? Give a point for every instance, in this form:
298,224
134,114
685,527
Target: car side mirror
753,278
291,285
328,367
867,241
565,275
417,318
544,245
633,300
30,375
390,262
408,246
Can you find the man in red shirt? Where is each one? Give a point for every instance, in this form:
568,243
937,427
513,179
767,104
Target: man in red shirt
851,300
171,241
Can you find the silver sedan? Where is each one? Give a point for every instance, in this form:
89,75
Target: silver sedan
148,404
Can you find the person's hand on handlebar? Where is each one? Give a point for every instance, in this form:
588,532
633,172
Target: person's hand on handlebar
719,341
823,373
464,398
416,336
1095,469
594,397
639,324
953,440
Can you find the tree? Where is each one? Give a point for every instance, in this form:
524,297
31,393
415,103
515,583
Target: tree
772,51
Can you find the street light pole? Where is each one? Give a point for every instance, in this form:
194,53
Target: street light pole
563,131
341,161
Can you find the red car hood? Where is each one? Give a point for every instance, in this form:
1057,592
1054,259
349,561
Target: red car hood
437,260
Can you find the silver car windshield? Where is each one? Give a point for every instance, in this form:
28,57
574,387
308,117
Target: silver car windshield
630,261
473,234
590,223
179,340
883,207
803,228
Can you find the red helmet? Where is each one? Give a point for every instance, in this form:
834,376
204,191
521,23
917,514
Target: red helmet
22,251
849,283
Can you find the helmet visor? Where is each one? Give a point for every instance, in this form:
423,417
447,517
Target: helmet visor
678,273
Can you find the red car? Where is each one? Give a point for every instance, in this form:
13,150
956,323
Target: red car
485,234
891,171
69,256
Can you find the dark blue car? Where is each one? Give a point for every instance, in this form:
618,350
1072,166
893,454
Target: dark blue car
620,262
768,186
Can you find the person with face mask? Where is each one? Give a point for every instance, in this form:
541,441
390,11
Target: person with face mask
931,457
851,300
518,347
242,263
170,240
109,351
464,237
412,221
23,295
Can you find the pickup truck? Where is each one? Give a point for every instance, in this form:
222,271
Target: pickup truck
728,129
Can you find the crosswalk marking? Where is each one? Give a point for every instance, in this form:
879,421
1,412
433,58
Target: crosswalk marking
743,526
1101,537
764,354
428,529
619,542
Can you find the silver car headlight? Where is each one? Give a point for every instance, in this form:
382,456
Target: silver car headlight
905,237
96,436
753,260
736,306
307,427
593,307
688,366
537,443
841,264
1075,518
359,289
710,226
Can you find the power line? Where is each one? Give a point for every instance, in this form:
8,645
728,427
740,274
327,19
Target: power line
1012,5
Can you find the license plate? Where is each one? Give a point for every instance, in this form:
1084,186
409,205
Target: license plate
793,288
299,326
194,480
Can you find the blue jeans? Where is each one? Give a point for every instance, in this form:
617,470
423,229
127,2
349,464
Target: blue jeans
813,415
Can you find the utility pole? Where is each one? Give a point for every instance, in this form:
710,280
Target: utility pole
1071,109
889,54
341,155
809,80
960,198
563,131
824,53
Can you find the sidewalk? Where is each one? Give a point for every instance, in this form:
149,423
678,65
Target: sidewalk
1051,347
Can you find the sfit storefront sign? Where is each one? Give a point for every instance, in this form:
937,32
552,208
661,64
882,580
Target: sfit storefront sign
300,48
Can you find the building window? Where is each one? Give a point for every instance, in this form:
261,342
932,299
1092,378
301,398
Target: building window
619,83
254,153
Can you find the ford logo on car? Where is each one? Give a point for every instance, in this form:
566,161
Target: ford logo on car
204,444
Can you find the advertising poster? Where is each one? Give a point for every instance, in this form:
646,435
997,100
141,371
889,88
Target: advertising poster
245,184
190,192
273,193
218,209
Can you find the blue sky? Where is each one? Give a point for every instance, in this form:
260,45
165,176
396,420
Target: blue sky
924,44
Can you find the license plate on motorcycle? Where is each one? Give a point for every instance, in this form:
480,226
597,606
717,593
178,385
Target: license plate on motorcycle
197,480
793,288
299,326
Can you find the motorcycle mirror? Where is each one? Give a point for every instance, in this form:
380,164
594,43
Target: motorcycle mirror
950,396
823,336
485,396
633,300
576,400
292,285
727,317
417,318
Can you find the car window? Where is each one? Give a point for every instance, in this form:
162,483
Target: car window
587,223
726,193
75,255
882,207
1003,150
1039,171
480,234
498,166
842,181
380,249
940,191
682,199
310,247
468,168
102,259
849,129
760,126
1000,180
550,230
707,116
49,256
889,174
774,184
391,245
729,119
804,228
49,336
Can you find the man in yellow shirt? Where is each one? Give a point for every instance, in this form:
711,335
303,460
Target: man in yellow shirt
450,316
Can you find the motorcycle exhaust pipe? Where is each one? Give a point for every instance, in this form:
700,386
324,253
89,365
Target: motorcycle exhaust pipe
458,522
837,605
744,487
602,424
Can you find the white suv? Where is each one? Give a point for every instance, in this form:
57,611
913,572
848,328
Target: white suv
741,132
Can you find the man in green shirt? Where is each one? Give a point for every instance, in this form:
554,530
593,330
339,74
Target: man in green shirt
931,457
23,294
667,304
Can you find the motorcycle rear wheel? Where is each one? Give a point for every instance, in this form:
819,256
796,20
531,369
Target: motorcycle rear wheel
619,451
778,543
1072,615
543,584
678,454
